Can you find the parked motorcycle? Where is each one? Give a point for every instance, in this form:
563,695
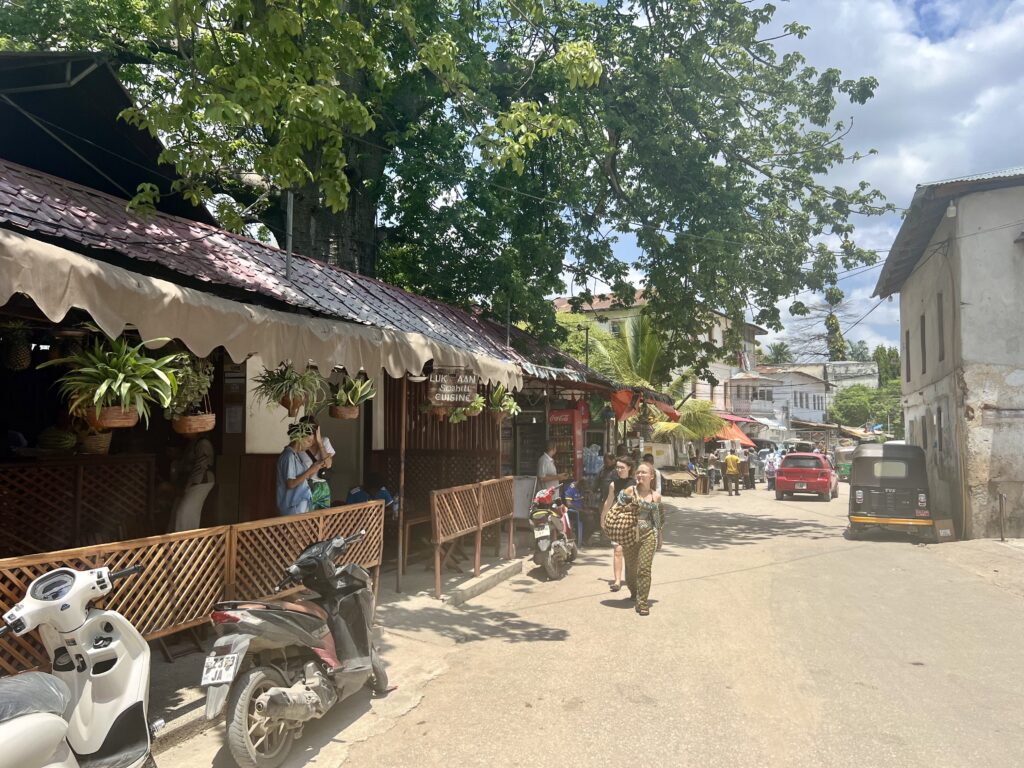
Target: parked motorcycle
279,664
91,712
553,536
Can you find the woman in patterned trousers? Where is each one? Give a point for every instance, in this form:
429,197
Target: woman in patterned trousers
640,555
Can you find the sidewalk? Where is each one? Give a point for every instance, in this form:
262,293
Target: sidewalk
414,632
999,563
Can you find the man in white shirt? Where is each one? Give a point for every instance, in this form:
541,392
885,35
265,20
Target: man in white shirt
547,473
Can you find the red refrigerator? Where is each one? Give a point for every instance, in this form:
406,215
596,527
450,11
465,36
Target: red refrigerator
568,428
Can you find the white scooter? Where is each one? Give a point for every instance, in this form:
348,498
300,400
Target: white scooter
91,712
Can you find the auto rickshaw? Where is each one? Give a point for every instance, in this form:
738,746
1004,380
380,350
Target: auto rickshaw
844,456
889,488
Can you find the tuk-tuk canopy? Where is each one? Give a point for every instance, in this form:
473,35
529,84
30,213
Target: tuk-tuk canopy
893,465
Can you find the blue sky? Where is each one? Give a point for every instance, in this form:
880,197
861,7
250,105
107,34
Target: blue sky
949,103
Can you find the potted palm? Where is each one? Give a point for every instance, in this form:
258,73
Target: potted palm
189,411
347,396
462,413
112,383
292,388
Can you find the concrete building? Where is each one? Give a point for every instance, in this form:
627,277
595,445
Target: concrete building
958,266
612,319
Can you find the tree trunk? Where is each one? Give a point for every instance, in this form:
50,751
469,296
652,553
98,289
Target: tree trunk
345,238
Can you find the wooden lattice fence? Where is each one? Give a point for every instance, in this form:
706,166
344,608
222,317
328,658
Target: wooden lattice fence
186,573
465,509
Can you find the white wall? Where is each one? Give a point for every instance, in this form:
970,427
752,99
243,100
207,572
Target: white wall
266,432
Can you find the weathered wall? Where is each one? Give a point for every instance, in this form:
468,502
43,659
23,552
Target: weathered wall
992,309
932,411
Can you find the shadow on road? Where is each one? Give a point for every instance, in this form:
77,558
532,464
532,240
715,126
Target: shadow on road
709,528
467,624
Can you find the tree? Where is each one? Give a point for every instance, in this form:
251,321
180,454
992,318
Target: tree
574,342
478,152
814,333
888,360
859,352
778,353
857,405
637,356
697,421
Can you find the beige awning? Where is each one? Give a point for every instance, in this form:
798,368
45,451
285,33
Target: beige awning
58,280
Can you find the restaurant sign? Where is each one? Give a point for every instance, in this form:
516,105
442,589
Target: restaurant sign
452,387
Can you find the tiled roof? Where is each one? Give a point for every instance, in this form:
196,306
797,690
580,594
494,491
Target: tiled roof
601,302
37,203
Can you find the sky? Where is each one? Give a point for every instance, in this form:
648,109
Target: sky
949,103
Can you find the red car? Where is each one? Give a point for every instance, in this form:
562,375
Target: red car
807,473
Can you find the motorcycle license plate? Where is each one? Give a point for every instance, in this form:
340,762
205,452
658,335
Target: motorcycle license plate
801,486
220,669
540,533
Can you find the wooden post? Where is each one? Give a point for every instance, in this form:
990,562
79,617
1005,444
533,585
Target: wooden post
403,429
512,524
437,570
479,543
230,562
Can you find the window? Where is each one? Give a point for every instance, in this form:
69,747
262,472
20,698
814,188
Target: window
938,426
771,394
803,462
906,355
889,469
616,328
924,349
924,432
942,332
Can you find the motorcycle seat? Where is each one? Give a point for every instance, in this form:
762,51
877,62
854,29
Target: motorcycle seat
32,693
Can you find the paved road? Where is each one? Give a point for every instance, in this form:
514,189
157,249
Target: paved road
773,641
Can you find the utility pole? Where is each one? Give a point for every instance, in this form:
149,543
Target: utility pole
586,342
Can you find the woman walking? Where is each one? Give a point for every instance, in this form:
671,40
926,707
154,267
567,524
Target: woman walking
650,518
623,479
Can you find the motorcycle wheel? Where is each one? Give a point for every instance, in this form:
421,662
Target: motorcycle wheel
554,566
252,745
573,551
379,681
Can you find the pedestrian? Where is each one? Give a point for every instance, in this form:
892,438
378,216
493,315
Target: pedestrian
321,450
623,479
650,518
621,450
649,459
771,468
751,468
732,472
548,475
294,495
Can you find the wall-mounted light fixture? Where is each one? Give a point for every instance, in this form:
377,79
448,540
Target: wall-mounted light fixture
951,210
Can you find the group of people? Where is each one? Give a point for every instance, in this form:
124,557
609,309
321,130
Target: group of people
302,466
638,484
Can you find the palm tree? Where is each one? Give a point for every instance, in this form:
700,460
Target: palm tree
778,354
697,421
635,355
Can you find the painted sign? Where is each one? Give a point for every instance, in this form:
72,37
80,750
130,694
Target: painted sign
452,387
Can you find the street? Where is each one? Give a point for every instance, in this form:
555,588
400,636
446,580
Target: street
772,641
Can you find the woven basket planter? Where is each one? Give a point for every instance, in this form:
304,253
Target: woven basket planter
343,411
112,417
293,404
194,425
96,444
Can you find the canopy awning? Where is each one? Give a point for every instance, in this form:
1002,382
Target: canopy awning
625,403
57,280
734,418
730,431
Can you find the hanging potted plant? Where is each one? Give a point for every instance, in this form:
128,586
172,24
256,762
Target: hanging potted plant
92,441
290,388
502,404
439,412
190,412
113,383
474,408
347,396
17,347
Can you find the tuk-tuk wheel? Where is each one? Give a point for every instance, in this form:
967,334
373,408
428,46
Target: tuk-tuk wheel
853,531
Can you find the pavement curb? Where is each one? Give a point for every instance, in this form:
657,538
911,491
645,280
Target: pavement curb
485,581
182,729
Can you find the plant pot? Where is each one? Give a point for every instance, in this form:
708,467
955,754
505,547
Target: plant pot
112,417
194,425
343,411
96,444
293,404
